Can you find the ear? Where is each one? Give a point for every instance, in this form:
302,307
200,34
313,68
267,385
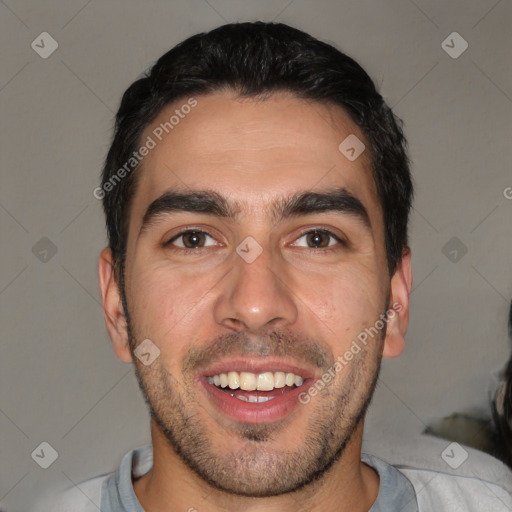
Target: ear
113,307
398,315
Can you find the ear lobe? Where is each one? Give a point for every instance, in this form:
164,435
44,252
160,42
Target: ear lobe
113,307
398,314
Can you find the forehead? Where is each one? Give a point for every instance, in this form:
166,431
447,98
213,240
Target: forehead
253,151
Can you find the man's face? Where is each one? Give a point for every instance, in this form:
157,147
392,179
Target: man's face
292,308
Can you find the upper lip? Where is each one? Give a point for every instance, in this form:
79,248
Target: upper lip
257,366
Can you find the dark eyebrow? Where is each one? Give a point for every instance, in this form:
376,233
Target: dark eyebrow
209,202
200,201
338,200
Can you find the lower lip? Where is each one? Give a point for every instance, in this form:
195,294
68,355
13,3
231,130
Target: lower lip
246,412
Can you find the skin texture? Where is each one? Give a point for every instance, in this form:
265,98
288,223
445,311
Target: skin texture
295,301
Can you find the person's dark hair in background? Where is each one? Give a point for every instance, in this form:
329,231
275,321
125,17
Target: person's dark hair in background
502,409
490,433
256,59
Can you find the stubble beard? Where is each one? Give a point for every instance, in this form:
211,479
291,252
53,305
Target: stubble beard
256,470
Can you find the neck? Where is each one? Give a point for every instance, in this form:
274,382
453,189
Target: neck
349,485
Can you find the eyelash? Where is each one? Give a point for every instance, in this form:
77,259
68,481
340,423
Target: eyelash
192,251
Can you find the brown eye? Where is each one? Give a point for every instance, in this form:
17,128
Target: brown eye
319,239
191,239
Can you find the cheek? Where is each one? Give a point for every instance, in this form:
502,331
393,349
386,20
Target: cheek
165,305
345,301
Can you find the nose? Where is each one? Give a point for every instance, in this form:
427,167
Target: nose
256,296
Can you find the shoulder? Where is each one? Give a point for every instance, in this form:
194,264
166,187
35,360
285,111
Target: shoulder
100,491
436,490
449,476
84,497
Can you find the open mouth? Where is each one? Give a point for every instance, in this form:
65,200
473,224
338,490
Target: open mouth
256,388
255,396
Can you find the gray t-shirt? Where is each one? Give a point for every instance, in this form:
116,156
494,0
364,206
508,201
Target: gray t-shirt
396,492
480,484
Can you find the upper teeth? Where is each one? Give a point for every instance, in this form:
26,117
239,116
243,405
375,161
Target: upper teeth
252,381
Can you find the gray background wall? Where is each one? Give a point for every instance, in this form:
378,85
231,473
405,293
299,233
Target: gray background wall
59,379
